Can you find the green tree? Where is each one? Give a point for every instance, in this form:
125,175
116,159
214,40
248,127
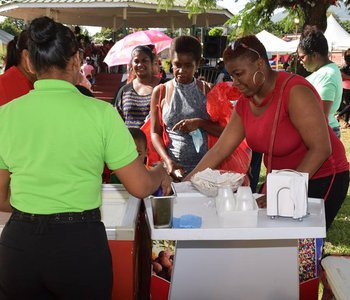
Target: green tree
345,25
216,31
309,12
279,29
12,26
104,34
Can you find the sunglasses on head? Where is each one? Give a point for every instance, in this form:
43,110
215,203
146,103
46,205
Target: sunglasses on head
236,45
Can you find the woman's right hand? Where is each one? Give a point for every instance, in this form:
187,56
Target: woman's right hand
166,180
175,170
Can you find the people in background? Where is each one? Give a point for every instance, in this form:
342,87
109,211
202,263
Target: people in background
302,139
183,111
140,140
79,36
345,74
223,75
286,66
128,76
325,77
89,70
18,78
54,142
133,99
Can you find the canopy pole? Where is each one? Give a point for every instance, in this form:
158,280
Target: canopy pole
125,17
194,22
172,26
55,15
114,34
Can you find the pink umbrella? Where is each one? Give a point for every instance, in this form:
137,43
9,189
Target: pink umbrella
120,53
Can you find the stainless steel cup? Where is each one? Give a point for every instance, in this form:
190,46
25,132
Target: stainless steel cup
162,210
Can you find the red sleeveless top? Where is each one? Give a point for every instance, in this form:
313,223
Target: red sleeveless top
13,84
289,148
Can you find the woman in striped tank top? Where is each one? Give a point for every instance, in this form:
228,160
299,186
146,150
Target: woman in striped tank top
133,99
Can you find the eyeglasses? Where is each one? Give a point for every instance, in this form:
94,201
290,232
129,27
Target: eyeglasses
302,57
235,45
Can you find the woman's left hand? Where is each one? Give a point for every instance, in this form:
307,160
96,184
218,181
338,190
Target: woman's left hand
187,125
261,201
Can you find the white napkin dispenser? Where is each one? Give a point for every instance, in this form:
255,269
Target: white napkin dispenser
287,194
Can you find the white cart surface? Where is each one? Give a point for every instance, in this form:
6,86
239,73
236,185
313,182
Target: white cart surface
119,212
252,259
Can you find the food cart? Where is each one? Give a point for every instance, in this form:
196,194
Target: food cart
228,259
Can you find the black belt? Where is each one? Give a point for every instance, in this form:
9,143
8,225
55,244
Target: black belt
93,215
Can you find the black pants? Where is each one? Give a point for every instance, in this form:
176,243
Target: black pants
345,108
64,261
255,167
318,189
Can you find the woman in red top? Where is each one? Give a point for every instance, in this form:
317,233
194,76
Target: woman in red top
18,79
303,140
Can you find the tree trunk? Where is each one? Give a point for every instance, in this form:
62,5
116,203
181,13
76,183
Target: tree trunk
316,15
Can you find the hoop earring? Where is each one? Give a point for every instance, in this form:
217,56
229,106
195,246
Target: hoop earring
254,77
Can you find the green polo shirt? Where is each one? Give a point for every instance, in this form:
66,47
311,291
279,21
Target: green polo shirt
54,142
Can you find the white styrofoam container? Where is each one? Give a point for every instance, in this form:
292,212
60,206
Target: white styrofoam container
338,275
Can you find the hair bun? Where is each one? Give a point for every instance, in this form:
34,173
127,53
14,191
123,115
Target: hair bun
42,30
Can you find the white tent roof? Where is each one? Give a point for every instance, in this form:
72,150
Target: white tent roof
114,13
338,38
292,45
273,43
5,37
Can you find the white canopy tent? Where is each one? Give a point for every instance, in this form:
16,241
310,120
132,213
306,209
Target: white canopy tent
4,40
338,38
293,45
272,43
5,37
114,13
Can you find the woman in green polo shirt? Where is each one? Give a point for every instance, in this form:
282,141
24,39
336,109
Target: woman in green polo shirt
54,142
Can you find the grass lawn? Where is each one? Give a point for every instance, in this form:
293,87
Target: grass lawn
338,236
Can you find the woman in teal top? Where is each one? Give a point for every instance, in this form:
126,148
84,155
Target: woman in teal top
325,77
54,142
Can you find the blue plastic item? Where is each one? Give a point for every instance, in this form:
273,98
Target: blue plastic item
187,221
